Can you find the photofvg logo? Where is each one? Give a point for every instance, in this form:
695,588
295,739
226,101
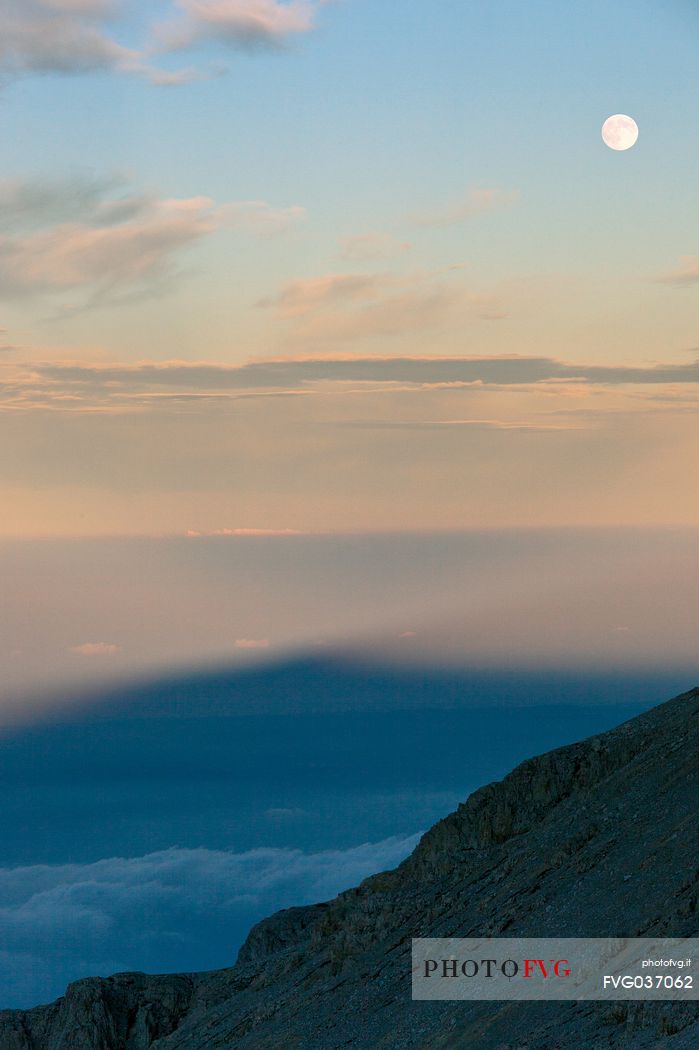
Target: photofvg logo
509,968
562,968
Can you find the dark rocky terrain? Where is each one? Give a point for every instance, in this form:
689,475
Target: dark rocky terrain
596,839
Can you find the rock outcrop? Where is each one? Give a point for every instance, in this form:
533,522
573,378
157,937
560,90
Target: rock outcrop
596,839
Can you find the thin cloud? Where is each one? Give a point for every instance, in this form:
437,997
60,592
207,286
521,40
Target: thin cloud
301,297
456,424
76,255
96,649
349,306
475,202
252,643
195,534
260,218
79,387
686,273
368,246
101,237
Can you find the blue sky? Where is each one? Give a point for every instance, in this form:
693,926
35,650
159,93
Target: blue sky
380,115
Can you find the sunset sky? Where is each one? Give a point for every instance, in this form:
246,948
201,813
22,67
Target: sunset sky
345,266
220,218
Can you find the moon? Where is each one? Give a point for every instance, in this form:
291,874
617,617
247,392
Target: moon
619,132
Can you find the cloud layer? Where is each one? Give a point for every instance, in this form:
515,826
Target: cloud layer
176,909
110,387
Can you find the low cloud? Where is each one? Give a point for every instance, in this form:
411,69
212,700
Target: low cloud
184,909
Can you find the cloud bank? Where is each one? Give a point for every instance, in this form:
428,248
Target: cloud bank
121,386
176,909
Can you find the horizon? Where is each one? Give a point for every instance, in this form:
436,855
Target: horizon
112,610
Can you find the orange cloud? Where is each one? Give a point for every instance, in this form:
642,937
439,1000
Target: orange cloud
355,306
59,236
686,273
96,649
194,534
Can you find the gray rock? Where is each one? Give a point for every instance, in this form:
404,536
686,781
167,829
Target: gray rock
596,839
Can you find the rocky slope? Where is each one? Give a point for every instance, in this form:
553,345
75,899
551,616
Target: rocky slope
599,838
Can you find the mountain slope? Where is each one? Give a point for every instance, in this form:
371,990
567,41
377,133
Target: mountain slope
596,839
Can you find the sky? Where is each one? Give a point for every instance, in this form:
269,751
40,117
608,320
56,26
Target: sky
277,275
78,614
346,265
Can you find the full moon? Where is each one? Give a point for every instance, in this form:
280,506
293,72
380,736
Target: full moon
620,131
